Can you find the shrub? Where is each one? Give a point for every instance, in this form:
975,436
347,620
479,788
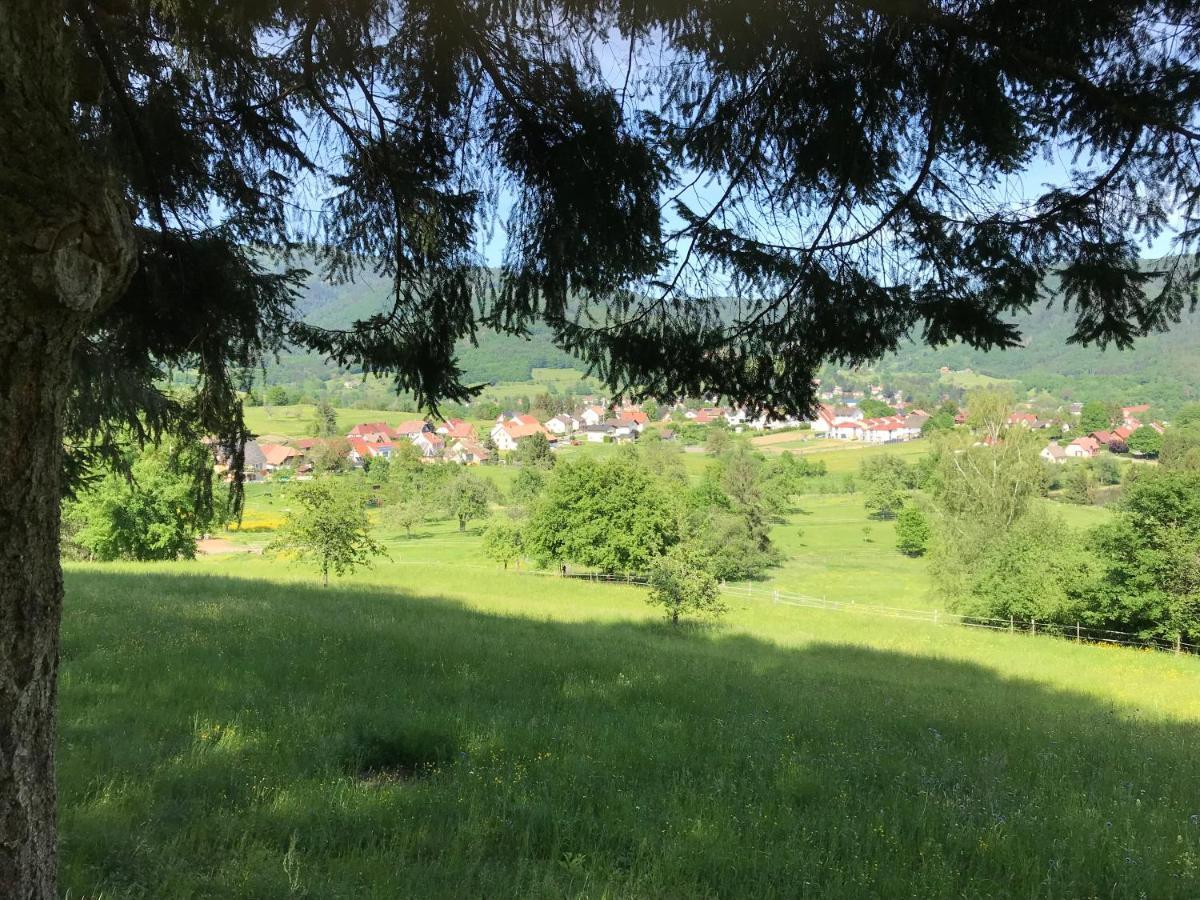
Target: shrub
912,531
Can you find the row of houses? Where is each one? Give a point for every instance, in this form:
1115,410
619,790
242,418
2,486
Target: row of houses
847,423
1088,445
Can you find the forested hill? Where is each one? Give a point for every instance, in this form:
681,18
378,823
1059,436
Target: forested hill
1163,369
498,357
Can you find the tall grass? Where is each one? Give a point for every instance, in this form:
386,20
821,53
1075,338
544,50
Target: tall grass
231,730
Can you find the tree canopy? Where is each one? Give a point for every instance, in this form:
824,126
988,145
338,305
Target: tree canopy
855,195
843,169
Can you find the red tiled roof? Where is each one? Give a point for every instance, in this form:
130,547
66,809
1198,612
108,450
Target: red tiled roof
369,428
277,454
409,428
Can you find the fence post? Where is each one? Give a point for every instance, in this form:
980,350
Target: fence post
1012,625
748,589
775,596
1033,626
1178,642
1077,633
935,617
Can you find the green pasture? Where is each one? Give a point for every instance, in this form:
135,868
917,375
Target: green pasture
841,457
435,727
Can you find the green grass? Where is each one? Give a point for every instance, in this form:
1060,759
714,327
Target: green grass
443,729
842,457
974,380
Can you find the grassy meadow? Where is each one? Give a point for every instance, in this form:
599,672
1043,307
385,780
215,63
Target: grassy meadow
435,726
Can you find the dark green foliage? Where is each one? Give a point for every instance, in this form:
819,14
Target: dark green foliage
1145,441
880,144
535,451
152,514
912,531
873,409
885,481
1097,416
613,516
1150,559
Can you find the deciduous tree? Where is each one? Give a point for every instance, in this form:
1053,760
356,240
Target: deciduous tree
1145,441
502,541
467,496
328,524
682,585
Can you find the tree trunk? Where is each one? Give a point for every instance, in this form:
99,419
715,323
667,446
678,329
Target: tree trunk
67,250
31,412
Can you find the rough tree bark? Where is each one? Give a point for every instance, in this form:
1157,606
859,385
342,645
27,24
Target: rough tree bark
67,249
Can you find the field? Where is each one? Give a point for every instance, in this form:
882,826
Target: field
840,457
436,727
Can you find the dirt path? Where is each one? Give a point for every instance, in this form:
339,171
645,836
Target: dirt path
214,546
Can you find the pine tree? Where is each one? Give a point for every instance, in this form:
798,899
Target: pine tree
147,229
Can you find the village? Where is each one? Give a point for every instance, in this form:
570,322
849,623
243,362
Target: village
457,441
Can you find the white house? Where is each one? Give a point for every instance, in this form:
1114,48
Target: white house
1052,452
823,423
598,433
846,430
1082,448
562,424
592,415
506,434
431,444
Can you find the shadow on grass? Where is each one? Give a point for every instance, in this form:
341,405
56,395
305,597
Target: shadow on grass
235,737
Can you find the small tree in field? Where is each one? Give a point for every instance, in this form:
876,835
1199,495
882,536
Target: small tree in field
408,512
466,497
912,531
329,525
683,586
717,440
502,542
324,423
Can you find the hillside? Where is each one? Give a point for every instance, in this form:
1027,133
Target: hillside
498,357
1163,369
230,729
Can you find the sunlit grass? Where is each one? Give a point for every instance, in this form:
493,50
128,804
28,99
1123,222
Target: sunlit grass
441,728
